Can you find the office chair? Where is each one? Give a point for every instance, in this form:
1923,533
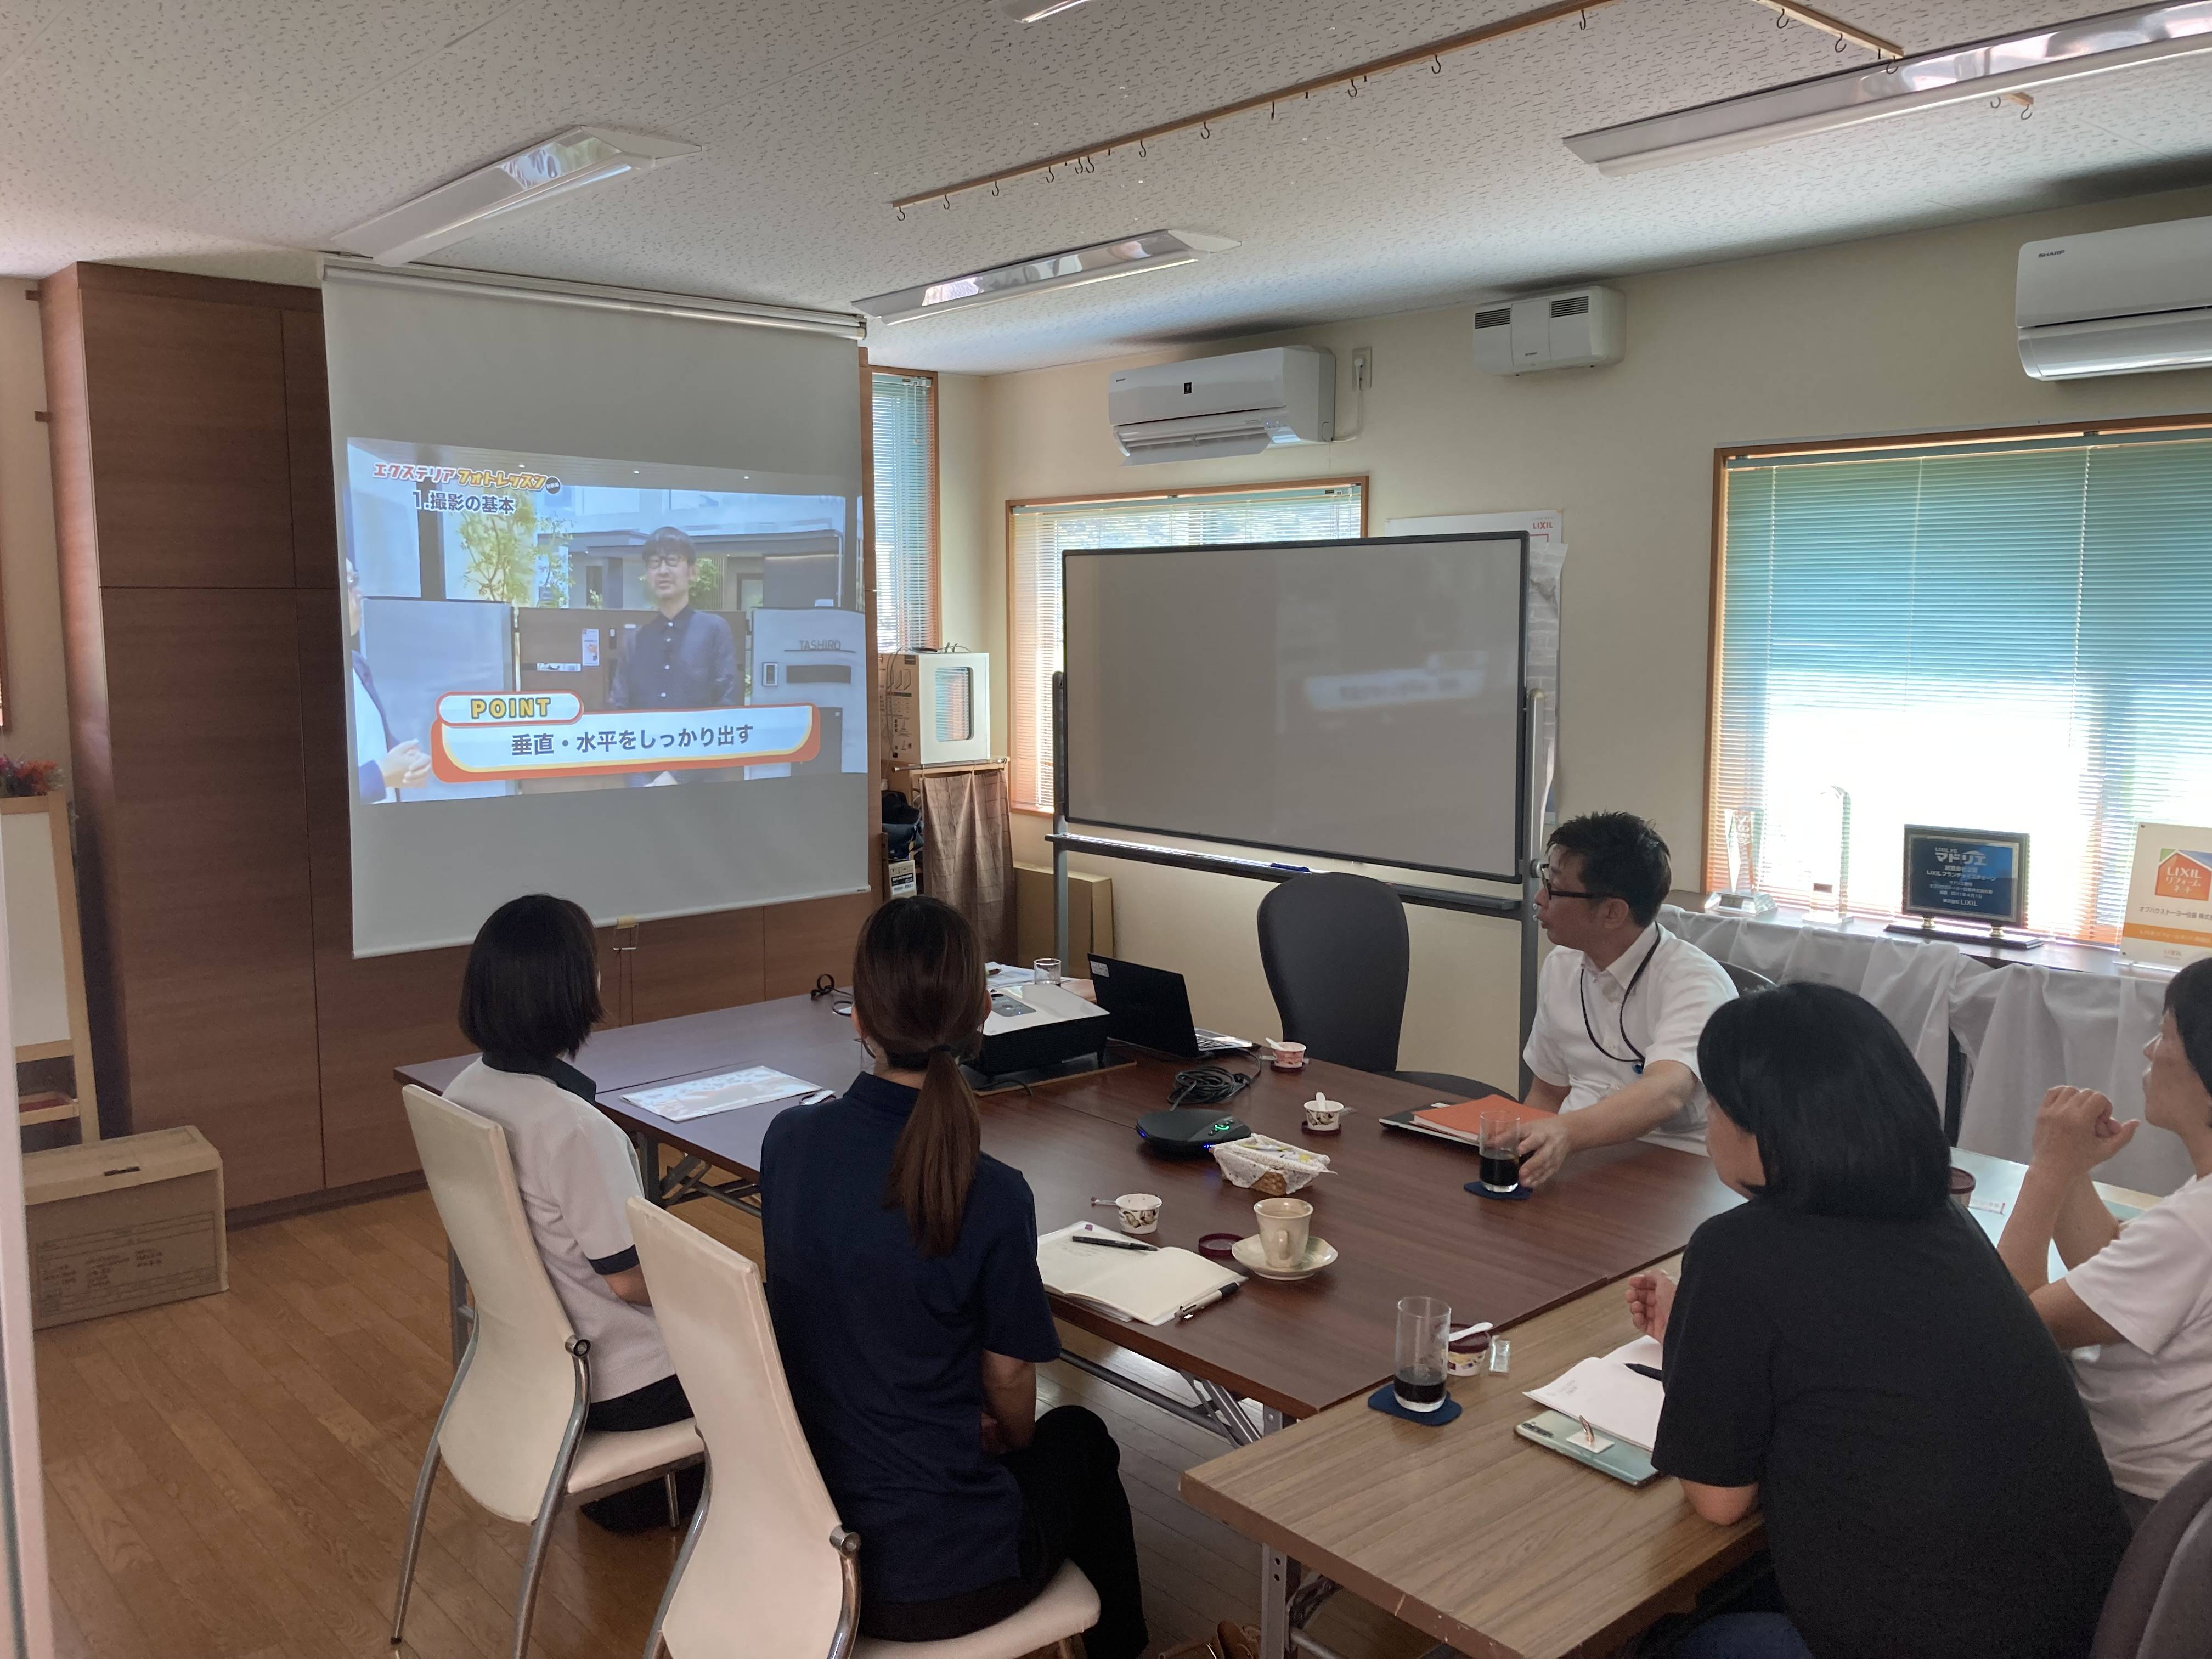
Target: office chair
2160,1605
1746,980
1337,956
767,1554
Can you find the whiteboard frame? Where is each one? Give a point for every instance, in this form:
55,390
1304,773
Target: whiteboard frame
1063,759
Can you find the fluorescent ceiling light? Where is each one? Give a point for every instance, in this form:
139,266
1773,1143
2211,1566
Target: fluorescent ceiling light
579,157
1036,11
1155,250
1956,74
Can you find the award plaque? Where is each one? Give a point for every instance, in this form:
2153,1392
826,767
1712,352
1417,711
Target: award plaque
1965,876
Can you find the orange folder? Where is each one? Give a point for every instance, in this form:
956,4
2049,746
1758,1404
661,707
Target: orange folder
1463,1121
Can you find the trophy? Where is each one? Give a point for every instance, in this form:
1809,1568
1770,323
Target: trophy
1740,845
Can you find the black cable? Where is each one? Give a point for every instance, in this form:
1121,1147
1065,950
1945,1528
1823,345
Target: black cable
1206,1086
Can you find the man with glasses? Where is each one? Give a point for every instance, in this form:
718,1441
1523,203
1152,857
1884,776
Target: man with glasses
683,658
1621,1001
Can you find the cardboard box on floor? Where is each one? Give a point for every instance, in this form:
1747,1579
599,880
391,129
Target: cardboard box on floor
1089,918
120,1225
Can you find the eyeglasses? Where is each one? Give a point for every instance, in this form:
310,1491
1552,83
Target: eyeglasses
665,561
1544,880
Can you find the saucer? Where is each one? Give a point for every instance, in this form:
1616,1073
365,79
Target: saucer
1252,1258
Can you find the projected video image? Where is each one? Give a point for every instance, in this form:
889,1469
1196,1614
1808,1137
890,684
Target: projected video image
518,624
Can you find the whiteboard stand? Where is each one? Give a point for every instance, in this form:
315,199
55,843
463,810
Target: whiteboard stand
1522,909
45,959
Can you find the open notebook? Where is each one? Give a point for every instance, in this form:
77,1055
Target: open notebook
1152,1287
1609,1396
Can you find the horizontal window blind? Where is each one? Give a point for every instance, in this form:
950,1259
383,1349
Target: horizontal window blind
2002,636
1041,533
904,510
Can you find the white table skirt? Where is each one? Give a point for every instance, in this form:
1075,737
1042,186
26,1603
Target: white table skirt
1911,980
2024,1029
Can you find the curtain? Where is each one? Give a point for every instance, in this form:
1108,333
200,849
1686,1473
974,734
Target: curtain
1042,533
968,852
903,416
2005,636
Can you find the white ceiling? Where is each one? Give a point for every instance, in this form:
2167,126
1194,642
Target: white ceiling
153,129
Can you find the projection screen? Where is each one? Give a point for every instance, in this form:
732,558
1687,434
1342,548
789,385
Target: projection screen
606,632
1355,699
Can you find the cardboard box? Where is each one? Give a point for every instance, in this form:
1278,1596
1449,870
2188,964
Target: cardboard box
1089,918
125,1223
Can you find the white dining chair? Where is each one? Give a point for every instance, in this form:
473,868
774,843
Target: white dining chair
766,1555
512,1431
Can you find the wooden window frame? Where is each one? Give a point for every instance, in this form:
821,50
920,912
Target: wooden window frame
1712,866
1123,498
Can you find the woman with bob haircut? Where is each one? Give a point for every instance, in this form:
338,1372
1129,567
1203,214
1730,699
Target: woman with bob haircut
530,995
902,1281
2137,1301
1847,1353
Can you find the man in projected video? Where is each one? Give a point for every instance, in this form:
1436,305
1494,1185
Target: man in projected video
683,658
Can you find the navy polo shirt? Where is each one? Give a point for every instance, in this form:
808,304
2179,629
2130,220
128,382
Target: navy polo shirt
883,1348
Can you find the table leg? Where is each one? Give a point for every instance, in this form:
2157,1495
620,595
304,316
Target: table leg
648,1149
1274,1604
1277,1573
456,1301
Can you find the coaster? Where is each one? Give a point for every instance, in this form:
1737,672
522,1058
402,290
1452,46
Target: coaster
1220,1246
1518,1195
1385,1400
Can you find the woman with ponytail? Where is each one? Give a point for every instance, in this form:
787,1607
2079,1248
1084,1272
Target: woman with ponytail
903,1279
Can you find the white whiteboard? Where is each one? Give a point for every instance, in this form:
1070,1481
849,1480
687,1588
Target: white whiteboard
37,983
1355,700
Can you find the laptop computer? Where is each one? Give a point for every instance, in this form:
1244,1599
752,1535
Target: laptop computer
1150,1008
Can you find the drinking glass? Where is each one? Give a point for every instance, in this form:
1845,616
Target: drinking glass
1047,969
1419,1380
1499,1134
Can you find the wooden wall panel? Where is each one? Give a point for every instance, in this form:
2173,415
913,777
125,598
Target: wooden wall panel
208,852
189,448
689,964
812,938
376,1013
307,431
84,651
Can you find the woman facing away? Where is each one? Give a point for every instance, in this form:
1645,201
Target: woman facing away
1847,1353
902,1282
530,996
2135,1303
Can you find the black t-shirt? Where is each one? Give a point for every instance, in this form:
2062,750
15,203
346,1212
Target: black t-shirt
1931,1485
883,1349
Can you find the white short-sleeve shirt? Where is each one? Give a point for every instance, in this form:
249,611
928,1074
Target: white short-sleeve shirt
2150,1397
1591,1025
574,1169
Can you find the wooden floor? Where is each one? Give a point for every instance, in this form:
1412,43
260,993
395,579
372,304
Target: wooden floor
229,1478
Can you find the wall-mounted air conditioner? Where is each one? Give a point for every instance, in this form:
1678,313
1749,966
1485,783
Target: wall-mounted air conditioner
1237,404
2131,301
1580,328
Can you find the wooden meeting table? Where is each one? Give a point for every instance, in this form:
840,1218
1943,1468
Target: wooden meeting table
1493,1546
1393,1204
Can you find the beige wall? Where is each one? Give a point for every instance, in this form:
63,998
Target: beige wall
1903,334
30,595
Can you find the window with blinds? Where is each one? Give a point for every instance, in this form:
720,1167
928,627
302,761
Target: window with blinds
1039,533
2005,636
905,510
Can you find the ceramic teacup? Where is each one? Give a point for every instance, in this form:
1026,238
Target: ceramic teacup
1284,1225
1140,1211
1324,1115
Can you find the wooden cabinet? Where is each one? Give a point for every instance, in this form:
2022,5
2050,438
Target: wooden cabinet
195,514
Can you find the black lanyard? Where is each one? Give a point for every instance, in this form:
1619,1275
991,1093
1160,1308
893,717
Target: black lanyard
1582,991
